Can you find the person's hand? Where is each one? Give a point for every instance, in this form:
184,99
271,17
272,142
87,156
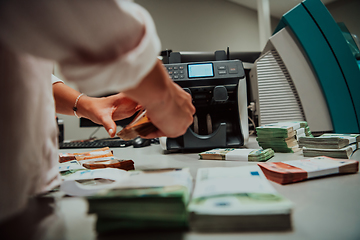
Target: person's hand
168,106
107,110
172,117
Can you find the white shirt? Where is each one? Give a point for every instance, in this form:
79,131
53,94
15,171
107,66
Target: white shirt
103,46
55,79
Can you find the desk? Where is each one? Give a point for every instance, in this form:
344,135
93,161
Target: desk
325,208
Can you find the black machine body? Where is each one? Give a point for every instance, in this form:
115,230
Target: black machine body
218,91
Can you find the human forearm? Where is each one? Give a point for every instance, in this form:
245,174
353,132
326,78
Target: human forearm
65,98
103,111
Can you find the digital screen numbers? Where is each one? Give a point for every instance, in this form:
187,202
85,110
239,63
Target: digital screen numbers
200,70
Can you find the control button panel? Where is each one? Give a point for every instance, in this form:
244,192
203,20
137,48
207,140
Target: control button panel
176,71
205,70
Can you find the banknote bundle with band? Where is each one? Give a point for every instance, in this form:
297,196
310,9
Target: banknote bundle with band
109,162
299,170
97,153
238,154
141,125
331,145
237,199
282,136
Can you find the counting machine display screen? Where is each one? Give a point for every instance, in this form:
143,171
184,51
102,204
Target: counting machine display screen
200,70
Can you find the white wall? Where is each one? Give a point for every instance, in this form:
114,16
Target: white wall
209,25
204,25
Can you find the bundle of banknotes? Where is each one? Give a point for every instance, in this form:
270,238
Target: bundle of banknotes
140,209
299,170
97,158
140,125
237,199
282,136
97,153
238,154
331,145
134,200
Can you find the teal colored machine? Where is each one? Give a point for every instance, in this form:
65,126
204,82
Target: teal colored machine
333,60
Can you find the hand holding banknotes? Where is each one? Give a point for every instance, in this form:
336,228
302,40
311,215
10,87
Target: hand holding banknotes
168,106
107,110
103,111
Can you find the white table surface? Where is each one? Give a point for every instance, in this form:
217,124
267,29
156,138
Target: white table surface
325,208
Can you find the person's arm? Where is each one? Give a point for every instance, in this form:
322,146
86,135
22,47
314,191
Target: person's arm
103,111
107,53
116,51
168,106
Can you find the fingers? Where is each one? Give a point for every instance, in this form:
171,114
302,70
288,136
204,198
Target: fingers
109,125
138,107
124,107
177,114
111,132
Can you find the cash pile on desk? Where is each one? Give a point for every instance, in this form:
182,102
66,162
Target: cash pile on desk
135,200
238,154
331,145
237,199
282,136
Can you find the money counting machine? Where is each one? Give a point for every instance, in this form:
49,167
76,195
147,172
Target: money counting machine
218,91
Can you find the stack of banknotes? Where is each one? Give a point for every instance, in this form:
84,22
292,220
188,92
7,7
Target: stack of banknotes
134,200
237,199
238,154
282,136
299,170
140,209
331,145
93,159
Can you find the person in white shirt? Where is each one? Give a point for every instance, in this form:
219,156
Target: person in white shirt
100,45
